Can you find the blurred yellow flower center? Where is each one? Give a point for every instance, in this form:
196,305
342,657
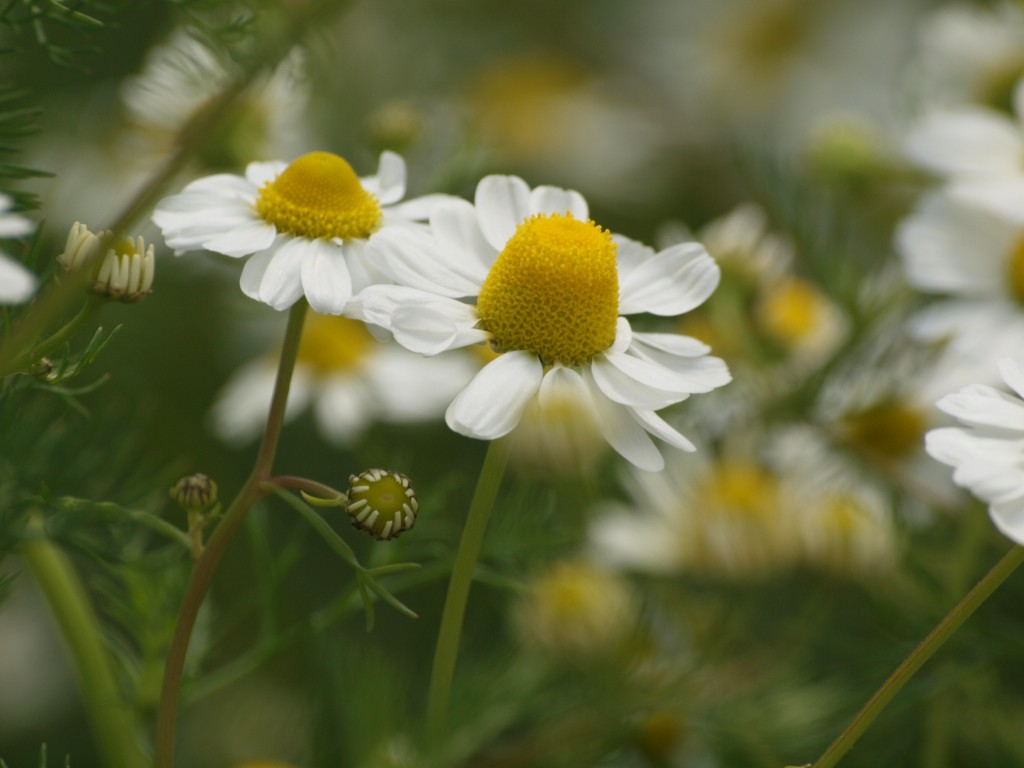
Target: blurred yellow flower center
740,489
792,311
319,196
331,344
553,290
1016,270
891,430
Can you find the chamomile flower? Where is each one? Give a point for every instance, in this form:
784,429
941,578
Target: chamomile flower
975,257
309,227
348,378
16,283
985,452
549,289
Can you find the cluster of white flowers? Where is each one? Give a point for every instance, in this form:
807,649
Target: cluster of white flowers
523,270
16,283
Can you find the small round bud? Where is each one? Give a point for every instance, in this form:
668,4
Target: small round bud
43,369
381,503
194,491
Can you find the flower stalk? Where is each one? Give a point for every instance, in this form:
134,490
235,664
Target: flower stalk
113,725
449,634
206,565
924,651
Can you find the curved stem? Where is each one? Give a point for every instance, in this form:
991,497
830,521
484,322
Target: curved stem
448,636
113,724
206,565
942,632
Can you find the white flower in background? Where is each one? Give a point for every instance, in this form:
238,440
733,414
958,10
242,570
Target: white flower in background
987,453
970,54
740,517
971,144
975,257
349,379
309,228
182,73
550,288
17,284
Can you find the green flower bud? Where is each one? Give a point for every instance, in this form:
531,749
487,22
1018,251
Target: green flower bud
381,503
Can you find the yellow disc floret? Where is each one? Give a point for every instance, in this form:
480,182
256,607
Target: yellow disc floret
319,196
332,344
553,290
1015,270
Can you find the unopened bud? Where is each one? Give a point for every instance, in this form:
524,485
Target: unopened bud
123,273
194,491
382,503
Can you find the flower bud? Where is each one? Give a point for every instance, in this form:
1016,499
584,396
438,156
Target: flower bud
124,272
382,503
194,491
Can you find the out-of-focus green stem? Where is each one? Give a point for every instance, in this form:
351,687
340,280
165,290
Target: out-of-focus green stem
113,724
206,565
942,632
450,632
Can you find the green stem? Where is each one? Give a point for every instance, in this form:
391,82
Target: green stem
448,636
112,721
942,632
206,565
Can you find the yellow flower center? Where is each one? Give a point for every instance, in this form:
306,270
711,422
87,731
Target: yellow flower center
792,311
553,290
1015,270
332,344
741,489
382,503
891,430
319,196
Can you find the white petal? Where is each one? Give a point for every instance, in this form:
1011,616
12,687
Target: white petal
409,388
981,405
281,285
411,256
969,140
17,284
556,200
671,282
255,235
673,343
239,411
343,408
1013,373
502,203
999,195
15,225
389,184
325,277
1008,517
492,403
623,432
224,185
455,225
696,373
627,380
418,208
630,254
420,321
258,174
658,427
253,271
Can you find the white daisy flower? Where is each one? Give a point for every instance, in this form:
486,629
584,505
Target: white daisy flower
17,283
987,453
549,287
976,258
309,228
348,378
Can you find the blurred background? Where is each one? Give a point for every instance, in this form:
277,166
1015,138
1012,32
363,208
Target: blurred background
736,609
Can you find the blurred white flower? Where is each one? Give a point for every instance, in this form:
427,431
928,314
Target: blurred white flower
987,453
349,378
17,284
550,288
309,228
975,257
970,54
741,517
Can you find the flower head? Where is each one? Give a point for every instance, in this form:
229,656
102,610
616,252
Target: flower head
309,227
125,273
551,288
986,453
16,283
